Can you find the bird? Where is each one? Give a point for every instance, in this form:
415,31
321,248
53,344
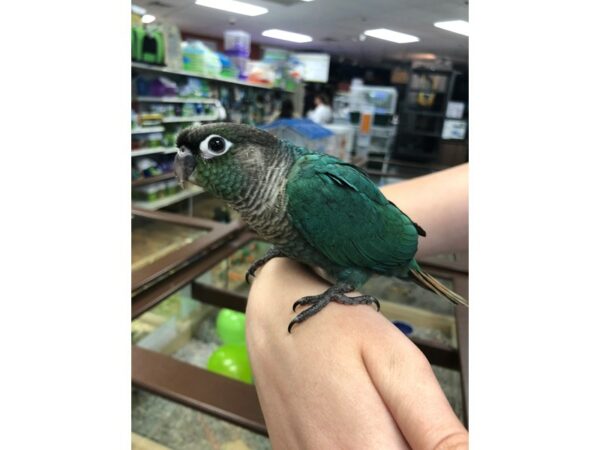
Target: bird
312,207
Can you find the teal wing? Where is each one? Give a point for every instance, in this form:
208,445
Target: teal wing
339,211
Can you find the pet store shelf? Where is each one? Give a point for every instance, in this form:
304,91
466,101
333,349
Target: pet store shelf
152,151
158,204
150,180
151,68
201,118
146,130
210,101
426,113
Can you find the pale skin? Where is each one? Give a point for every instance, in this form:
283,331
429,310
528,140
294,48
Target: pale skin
347,378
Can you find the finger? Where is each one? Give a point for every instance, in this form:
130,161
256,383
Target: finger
409,388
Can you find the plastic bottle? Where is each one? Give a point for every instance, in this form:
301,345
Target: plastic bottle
237,48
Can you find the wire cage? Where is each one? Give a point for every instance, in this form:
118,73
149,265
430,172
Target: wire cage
308,134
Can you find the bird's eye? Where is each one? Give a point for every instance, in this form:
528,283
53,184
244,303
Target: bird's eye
214,145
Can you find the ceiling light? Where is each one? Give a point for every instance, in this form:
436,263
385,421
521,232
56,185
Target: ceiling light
424,56
286,35
148,18
234,6
456,26
390,35
308,1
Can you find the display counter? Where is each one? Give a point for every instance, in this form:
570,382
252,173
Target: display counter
174,316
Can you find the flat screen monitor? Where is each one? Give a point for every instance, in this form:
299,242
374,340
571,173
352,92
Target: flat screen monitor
315,66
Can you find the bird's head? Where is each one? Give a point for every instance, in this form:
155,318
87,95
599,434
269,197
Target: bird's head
221,157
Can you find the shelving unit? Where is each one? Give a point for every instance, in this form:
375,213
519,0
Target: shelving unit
198,100
147,130
170,200
244,101
186,73
153,151
155,179
200,118
420,126
381,144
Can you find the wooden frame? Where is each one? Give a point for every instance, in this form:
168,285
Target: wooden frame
458,273
147,298
217,232
235,401
197,388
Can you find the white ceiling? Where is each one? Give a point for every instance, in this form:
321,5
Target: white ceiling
334,25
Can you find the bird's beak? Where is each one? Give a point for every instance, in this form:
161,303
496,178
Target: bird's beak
184,166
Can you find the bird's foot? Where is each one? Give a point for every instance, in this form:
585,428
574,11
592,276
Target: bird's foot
336,294
273,252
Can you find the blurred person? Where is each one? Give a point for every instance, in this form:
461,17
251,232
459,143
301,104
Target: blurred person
322,113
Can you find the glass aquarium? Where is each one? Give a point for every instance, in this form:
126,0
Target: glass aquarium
193,324
425,314
153,239
230,273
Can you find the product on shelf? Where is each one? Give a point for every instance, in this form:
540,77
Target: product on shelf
149,119
155,86
230,273
261,72
148,193
228,69
147,44
197,57
172,187
148,167
173,55
146,140
194,88
237,48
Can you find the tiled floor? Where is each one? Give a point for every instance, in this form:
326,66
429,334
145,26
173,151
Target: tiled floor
180,428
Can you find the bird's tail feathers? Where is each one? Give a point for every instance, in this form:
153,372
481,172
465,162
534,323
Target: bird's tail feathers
428,282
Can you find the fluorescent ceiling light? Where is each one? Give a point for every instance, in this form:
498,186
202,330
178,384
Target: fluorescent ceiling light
234,6
390,35
148,18
456,26
286,36
423,56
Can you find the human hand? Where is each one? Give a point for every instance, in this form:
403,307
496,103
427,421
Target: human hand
346,378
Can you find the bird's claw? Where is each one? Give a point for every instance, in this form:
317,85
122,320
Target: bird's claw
305,301
318,302
249,273
271,253
377,304
292,323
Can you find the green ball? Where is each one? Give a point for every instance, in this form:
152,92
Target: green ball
231,326
231,360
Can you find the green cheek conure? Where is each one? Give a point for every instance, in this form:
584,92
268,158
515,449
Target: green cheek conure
312,207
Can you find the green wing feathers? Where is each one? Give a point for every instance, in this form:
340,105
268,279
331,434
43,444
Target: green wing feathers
339,211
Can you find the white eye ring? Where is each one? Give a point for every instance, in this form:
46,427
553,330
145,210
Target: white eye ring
213,146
